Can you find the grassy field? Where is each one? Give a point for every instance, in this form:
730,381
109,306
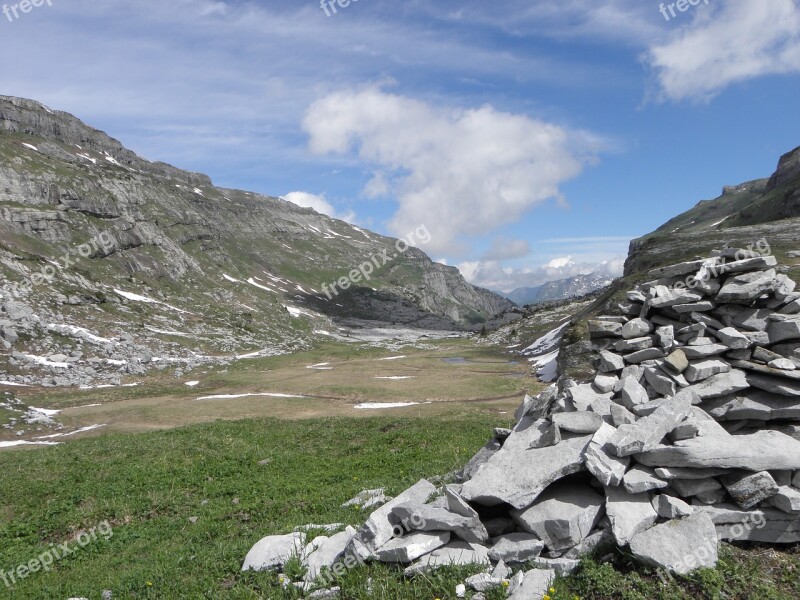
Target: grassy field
351,375
243,480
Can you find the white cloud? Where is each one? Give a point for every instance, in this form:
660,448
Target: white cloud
502,249
559,263
727,43
319,204
460,172
491,274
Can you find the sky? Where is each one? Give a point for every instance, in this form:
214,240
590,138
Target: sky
533,139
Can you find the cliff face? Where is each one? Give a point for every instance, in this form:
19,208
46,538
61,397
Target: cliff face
250,267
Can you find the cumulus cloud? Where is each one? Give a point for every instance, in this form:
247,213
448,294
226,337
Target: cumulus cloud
728,43
319,204
493,275
460,172
502,249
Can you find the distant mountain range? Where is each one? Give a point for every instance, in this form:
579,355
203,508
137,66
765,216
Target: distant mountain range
561,289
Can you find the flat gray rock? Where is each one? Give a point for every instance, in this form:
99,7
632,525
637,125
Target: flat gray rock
750,489
754,404
766,525
578,422
733,339
649,431
610,362
327,554
746,288
272,552
629,514
604,329
642,479
634,345
703,369
601,463
775,385
535,584
783,331
636,328
787,499
518,478
516,548
562,516
453,554
423,517
669,507
641,356
412,546
679,546
584,395
695,352
721,385
378,530
662,383
761,451
633,393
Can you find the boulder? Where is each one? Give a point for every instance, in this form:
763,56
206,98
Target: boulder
636,328
679,546
272,552
629,514
516,548
610,362
518,478
733,339
327,554
578,422
562,516
750,489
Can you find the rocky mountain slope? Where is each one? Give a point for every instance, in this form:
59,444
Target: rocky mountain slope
562,289
762,209
109,262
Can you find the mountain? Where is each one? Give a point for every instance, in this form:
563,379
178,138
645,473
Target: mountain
107,254
767,209
572,287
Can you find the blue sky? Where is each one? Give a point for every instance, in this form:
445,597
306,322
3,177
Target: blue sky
521,133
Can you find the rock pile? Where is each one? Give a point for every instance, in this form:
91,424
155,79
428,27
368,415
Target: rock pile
688,435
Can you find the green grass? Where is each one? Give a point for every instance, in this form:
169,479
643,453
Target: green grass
149,485
247,479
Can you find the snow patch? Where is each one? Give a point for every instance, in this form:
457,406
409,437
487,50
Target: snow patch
34,148
384,405
192,383
236,396
398,377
